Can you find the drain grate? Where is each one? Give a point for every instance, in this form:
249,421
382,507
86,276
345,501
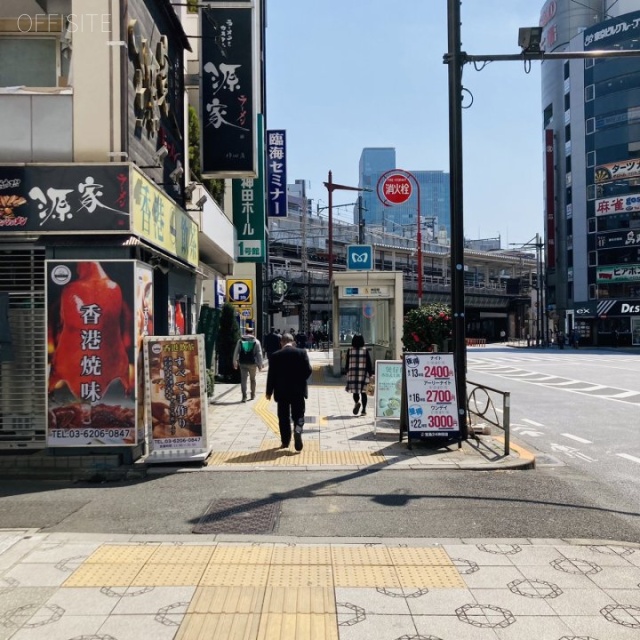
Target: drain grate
240,515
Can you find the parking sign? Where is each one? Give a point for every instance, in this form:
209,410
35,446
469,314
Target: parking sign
240,291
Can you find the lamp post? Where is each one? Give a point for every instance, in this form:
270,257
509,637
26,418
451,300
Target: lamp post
395,191
331,187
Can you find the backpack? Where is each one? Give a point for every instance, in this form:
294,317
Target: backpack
247,349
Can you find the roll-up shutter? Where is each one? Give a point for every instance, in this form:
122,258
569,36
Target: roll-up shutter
23,369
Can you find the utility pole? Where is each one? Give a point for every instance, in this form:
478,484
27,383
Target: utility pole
360,221
304,311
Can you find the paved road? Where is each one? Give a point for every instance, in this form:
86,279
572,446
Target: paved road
579,408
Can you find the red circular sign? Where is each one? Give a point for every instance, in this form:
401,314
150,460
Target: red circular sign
396,189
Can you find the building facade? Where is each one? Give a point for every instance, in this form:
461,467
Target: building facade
97,197
591,122
401,219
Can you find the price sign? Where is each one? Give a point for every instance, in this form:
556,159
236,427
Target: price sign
432,404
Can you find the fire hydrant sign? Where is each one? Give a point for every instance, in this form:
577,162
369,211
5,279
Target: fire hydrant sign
432,405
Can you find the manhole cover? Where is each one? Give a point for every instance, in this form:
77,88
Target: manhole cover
239,515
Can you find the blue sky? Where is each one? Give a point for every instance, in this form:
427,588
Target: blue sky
347,74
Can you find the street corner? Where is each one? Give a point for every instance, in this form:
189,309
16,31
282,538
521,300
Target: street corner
517,458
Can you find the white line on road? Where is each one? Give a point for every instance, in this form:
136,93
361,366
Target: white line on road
568,435
626,456
624,394
535,424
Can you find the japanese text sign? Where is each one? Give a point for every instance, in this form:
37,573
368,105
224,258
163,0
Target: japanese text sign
64,198
227,92
162,222
432,406
248,211
176,391
388,389
91,342
276,174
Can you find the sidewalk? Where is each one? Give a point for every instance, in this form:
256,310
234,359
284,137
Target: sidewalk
245,436
109,587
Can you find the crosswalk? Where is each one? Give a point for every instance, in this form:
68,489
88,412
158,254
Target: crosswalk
503,367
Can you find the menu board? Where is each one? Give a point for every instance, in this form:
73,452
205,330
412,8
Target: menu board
176,396
432,405
388,389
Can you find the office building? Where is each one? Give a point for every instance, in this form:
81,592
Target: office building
591,133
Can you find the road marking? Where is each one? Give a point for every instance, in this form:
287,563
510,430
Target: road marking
626,456
568,435
571,452
535,424
624,394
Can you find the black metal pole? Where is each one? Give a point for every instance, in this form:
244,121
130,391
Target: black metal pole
455,61
360,222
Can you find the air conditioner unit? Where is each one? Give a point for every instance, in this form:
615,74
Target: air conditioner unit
18,422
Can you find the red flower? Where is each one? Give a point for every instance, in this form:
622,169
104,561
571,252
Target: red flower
441,314
414,335
430,318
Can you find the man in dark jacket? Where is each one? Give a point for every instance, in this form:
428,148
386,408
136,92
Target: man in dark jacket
289,369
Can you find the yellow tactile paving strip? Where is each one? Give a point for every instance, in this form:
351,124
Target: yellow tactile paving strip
288,458
266,591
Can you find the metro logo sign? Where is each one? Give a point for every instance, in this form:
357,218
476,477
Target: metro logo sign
397,188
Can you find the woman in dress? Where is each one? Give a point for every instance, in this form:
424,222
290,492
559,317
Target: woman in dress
358,368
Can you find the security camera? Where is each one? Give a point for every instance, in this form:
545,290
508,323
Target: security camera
189,189
177,173
530,38
201,202
161,154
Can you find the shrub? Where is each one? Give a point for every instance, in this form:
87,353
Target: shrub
228,336
425,326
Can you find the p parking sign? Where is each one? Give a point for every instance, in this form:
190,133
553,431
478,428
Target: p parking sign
240,291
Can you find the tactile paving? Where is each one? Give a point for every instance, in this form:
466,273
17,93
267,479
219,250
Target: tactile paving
419,556
162,575
299,600
121,553
235,575
227,600
301,554
185,554
103,575
295,575
288,626
227,626
430,577
242,554
377,555
371,576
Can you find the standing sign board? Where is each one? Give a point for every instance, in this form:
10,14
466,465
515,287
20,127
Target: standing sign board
431,405
176,402
388,390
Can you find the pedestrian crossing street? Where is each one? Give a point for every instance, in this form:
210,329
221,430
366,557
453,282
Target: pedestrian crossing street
505,367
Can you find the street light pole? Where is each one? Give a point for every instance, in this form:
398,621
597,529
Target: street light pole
455,60
331,187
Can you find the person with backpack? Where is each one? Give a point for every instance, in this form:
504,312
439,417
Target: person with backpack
248,356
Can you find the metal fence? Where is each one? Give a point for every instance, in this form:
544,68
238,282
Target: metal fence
482,405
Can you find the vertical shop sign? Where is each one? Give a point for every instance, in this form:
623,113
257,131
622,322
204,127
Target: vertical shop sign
228,94
90,331
248,211
276,174
550,198
176,396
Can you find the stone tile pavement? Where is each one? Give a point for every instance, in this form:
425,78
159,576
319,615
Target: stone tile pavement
116,587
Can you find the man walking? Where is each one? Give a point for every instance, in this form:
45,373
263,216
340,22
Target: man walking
271,343
248,356
289,369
